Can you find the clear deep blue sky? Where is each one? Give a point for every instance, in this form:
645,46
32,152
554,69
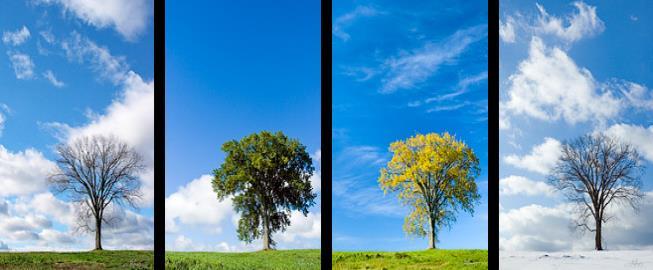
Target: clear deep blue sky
401,68
234,68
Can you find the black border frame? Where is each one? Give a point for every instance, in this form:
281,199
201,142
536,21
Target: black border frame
493,134
326,169
159,131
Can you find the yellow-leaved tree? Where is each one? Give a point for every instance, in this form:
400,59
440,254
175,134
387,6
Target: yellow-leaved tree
435,176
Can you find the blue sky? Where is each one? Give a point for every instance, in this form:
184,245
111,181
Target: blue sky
401,68
67,70
255,66
569,69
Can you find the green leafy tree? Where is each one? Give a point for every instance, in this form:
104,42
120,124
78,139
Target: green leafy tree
268,176
433,175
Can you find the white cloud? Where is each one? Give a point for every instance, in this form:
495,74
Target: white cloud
541,159
507,30
22,64
196,204
639,136
549,86
585,23
183,243
17,37
516,185
345,20
23,172
537,227
53,79
130,18
28,223
302,228
409,69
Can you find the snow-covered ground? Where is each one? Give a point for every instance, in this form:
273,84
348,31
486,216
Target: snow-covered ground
577,260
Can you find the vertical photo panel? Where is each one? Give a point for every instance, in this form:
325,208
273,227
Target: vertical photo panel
575,135
410,135
76,135
243,135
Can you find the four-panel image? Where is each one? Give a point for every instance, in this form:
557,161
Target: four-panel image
356,134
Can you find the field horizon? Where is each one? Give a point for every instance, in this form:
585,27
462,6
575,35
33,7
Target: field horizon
261,259
419,259
94,259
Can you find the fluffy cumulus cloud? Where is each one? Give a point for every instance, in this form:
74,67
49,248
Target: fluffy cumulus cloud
17,37
128,17
584,23
183,243
640,137
23,172
411,68
196,204
22,64
28,223
548,85
519,185
541,159
541,228
302,228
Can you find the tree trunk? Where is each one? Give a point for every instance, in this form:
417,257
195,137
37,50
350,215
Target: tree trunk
432,234
98,234
597,236
266,233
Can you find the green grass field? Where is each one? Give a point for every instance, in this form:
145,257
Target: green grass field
427,259
105,259
277,259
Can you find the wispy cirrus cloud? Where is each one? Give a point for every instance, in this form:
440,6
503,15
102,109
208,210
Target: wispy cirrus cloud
22,64
17,37
345,20
410,68
49,75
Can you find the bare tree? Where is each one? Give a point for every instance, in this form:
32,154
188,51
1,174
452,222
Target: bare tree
595,171
96,172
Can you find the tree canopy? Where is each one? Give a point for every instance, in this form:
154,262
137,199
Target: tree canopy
268,175
594,171
435,176
96,172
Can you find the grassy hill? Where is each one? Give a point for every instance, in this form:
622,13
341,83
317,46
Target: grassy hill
277,259
427,259
114,259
